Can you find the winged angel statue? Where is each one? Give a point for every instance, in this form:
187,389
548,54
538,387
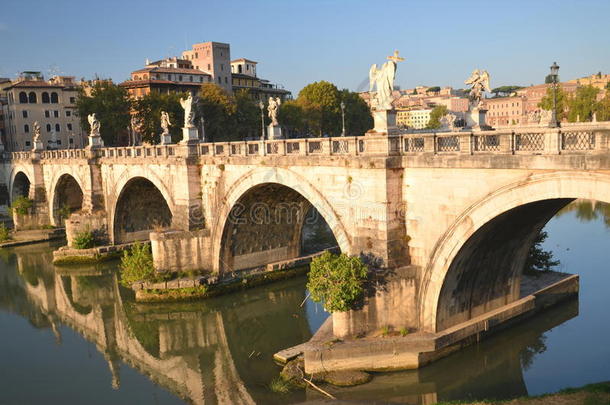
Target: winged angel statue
383,79
479,82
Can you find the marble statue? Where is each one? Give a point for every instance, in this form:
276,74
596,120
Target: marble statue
383,80
189,114
274,106
479,82
134,129
545,117
533,117
165,123
594,117
94,124
448,121
36,132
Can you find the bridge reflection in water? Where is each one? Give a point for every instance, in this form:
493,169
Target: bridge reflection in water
219,351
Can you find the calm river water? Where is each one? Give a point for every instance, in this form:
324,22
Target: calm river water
74,336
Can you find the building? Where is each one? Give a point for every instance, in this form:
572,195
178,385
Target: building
534,94
171,75
214,59
506,111
243,76
598,80
416,119
4,82
52,103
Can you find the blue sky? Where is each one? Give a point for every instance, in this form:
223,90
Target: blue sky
298,42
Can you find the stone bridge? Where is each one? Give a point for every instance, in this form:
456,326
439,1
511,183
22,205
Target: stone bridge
454,212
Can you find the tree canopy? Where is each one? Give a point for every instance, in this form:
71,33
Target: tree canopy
148,111
562,102
505,90
111,105
583,104
218,109
436,114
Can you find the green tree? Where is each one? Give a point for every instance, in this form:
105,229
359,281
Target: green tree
436,114
112,106
247,119
505,90
603,107
337,280
320,104
358,118
292,117
433,89
583,104
148,111
218,110
562,102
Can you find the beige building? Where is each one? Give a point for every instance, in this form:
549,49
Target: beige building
416,119
52,103
598,80
243,76
506,111
212,58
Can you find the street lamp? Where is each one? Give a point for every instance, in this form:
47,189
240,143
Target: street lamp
262,107
343,118
554,76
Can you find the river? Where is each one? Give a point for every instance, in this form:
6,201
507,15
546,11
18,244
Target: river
74,336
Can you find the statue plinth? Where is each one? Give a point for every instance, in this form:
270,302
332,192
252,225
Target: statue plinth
475,119
166,138
95,141
274,132
190,135
385,122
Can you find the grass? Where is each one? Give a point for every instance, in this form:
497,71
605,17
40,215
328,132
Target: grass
280,386
385,331
404,332
5,234
78,260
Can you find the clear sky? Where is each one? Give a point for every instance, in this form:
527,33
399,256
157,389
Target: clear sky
298,42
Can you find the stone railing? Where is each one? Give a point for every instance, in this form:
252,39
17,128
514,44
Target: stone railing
570,138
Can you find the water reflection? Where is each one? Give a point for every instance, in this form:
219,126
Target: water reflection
588,210
77,336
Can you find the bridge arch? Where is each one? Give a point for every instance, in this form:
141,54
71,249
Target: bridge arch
269,196
457,283
67,198
141,206
20,185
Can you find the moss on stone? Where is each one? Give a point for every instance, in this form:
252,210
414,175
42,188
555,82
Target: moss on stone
78,260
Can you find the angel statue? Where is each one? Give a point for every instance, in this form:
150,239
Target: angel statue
165,123
94,124
189,114
479,82
36,131
274,106
383,79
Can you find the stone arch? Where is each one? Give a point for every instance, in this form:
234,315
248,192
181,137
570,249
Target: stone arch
67,198
21,185
532,201
139,208
293,192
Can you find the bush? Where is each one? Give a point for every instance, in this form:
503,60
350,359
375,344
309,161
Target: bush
83,240
21,205
136,264
64,212
337,280
4,233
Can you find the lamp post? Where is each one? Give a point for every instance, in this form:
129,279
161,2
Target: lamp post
343,118
554,76
262,107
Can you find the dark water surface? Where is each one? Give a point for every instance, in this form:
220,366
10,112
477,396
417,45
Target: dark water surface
75,336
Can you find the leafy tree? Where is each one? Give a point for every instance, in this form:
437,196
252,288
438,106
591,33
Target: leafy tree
549,79
320,103
292,117
603,107
217,109
337,280
608,86
434,89
435,116
583,104
358,117
111,105
148,111
562,102
247,119
136,264
505,90
539,259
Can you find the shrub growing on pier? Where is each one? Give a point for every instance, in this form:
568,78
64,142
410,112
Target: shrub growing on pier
4,233
136,264
21,205
337,280
83,240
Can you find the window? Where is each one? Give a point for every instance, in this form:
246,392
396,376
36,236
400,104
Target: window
23,98
26,128
47,113
222,67
59,141
68,113
57,128
45,98
200,79
72,100
209,67
54,98
69,127
226,80
25,113
196,55
71,141
32,97
219,80
56,114
28,143
180,78
191,78
48,127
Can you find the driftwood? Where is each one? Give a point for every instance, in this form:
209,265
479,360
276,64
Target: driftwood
318,388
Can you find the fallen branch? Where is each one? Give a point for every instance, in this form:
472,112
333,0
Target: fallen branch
319,389
307,296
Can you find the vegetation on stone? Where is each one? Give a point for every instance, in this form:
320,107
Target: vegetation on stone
136,264
337,280
83,240
279,385
4,233
21,205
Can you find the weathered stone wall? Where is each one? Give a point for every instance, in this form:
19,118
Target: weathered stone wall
181,250
95,222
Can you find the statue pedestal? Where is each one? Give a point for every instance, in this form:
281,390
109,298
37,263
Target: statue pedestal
190,135
385,123
95,141
475,119
166,139
274,132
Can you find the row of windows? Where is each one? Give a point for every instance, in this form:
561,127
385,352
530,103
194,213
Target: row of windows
495,106
29,144
25,98
47,113
26,128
